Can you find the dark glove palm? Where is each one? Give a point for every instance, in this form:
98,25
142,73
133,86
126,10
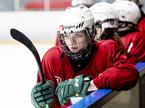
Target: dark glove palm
42,94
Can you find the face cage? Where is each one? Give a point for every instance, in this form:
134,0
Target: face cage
106,31
82,54
125,25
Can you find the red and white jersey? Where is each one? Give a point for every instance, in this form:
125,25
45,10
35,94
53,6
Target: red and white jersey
141,25
107,67
134,44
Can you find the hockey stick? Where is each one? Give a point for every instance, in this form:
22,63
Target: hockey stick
17,35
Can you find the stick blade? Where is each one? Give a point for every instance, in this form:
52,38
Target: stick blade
17,35
15,32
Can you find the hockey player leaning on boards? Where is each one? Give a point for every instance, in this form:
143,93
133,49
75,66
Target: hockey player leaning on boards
132,39
106,23
79,64
105,20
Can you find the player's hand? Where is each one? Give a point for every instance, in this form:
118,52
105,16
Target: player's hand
72,88
42,94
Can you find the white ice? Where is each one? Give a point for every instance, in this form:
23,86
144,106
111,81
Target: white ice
18,74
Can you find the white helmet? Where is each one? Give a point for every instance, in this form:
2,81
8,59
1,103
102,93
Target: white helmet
127,11
76,19
138,2
105,16
87,3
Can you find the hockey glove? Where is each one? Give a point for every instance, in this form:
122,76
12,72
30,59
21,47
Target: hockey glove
72,87
42,94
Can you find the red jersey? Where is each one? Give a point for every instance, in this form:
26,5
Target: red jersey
134,44
141,25
107,67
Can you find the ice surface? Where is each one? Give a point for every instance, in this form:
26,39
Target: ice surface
18,74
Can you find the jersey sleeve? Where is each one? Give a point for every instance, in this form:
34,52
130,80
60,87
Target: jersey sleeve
120,74
119,78
137,52
134,44
50,59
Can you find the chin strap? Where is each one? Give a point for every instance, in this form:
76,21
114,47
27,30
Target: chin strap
120,42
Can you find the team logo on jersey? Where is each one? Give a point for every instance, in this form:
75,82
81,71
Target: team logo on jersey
58,79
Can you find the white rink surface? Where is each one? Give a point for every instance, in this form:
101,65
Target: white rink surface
18,74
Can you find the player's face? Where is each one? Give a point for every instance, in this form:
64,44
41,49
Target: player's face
76,41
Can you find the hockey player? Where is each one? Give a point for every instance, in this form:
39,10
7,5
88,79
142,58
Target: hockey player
105,20
79,64
132,38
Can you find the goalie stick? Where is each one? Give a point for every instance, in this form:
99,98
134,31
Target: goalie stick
17,35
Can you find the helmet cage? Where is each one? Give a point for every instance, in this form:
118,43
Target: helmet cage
98,24
83,53
125,25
